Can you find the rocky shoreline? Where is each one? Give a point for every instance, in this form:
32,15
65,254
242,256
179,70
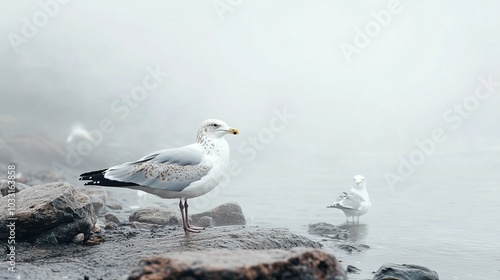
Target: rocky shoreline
62,233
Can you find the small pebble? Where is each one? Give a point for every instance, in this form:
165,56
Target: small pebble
112,218
78,239
111,225
353,269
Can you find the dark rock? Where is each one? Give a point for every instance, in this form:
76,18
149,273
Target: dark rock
155,215
223,215
328,230
5,187
51,213
298,263
352,247
353,269
112,218
405,271
111,225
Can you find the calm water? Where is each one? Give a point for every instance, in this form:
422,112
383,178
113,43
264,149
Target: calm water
451,227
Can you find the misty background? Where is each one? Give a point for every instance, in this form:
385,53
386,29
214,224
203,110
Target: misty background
245,65
257,58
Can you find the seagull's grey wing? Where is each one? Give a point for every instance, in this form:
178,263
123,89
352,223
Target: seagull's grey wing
171,169
187,155
348,201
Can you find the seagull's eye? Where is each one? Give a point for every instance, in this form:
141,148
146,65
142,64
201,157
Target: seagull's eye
215,125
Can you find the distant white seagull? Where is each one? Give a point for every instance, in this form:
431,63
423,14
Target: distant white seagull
356,202
78,132
183,173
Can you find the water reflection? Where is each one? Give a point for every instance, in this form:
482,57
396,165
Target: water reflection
357,232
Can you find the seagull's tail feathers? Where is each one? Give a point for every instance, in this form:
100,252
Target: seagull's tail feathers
96,178
93,174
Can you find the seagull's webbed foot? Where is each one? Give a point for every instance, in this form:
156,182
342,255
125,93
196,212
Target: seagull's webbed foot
187,229
195,227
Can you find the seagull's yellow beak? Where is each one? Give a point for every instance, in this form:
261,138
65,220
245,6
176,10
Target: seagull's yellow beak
233,131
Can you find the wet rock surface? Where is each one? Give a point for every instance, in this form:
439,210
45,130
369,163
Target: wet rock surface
405,271
343,240
352,247
297,263
223,215
115,252
341,236
159,215
328,230
52,213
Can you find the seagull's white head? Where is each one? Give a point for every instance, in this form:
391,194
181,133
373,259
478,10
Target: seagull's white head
359,182
215,129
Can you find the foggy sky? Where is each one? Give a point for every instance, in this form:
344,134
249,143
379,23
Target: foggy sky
259,58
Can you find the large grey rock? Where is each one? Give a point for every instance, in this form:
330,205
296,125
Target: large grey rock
298,263
51,213
224,215
405,271
160,215
6,188
126,246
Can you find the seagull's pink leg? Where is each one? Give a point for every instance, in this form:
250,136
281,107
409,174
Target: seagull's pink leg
181,207
189,227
